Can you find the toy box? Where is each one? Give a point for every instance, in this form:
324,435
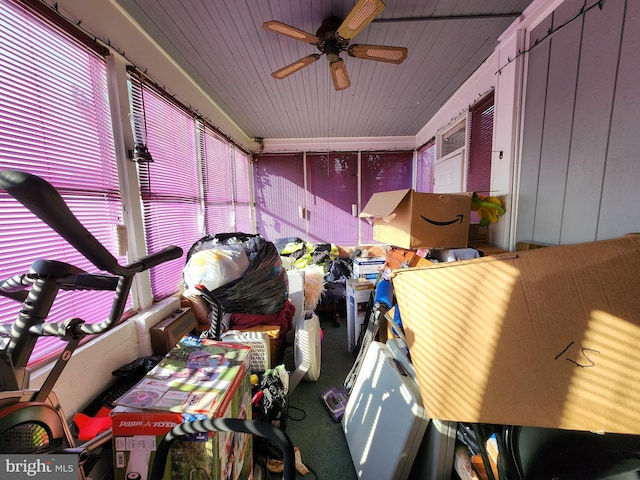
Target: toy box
197,379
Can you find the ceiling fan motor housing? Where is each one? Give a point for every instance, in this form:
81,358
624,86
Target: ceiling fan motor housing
330,43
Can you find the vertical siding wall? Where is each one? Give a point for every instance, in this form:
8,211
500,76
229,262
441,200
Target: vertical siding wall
580,170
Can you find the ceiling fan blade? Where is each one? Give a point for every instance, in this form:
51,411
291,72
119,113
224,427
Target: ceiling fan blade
380,53
339,75
361,15
289,31
295,66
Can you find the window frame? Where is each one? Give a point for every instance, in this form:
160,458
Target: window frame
478,122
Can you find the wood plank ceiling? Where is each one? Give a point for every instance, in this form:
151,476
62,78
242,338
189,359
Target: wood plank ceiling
222,45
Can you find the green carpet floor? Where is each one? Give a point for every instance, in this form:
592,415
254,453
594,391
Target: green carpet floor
321,441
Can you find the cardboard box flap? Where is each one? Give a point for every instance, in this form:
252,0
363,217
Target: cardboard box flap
546,337
383,204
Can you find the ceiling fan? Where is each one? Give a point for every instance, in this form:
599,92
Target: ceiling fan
333,37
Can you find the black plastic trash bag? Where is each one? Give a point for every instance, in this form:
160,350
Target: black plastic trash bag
263,289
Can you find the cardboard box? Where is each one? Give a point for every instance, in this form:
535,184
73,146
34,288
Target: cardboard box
167,333
408,219
485,249
367,267
546,337
357,296
404,258
197,379
478,233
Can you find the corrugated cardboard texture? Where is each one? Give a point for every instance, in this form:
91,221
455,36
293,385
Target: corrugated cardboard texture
547,337
383,204
409,219
167,332
402,258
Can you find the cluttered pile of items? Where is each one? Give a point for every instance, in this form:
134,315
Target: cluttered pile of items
228,367
507,365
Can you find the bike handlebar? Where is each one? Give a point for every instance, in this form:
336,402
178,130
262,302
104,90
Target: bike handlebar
42,199
45,202
168,253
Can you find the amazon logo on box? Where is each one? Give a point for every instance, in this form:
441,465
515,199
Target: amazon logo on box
410,219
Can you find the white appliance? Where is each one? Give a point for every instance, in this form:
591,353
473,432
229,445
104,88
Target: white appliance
435,456
307,350
384,420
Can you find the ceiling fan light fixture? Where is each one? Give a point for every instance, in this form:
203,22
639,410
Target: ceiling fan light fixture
339,75
332,51
361,15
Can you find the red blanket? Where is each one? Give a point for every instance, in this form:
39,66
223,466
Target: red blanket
283,319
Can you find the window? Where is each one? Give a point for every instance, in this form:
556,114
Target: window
464,164
332,189
170,185
55,122
320,206
197,183
480,145
448,170
218,190
279,190
453,139
424,174
242,194
226,188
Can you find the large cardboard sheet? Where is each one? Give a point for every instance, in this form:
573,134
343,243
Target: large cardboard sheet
547,337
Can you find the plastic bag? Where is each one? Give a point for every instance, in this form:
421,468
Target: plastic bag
215,267
264,287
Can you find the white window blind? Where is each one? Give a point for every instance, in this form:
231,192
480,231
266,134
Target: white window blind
426,160
218,184
280,196
383,171
480,146
242,182
332,190
54,122
227,192
325,211
170,185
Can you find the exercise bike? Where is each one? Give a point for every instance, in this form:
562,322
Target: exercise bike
32,421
